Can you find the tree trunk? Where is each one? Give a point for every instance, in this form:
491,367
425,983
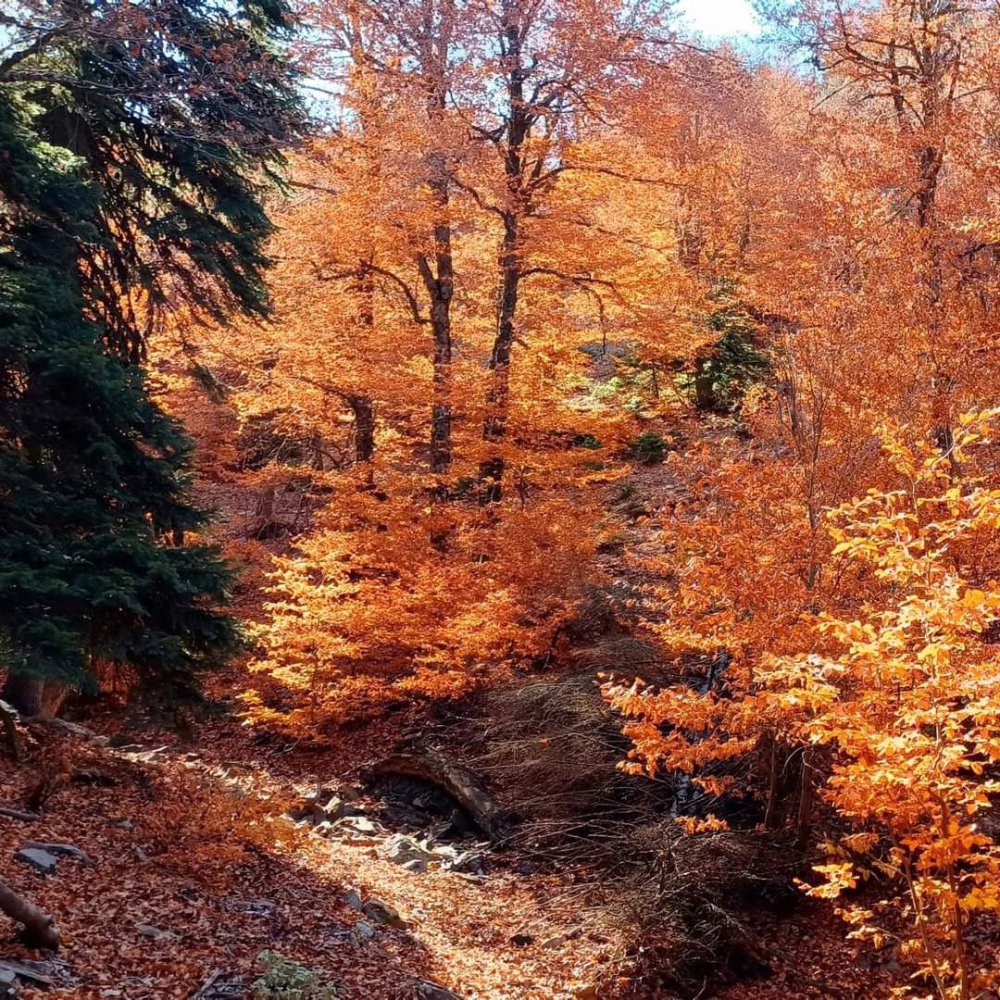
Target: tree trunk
361,405
32,695
8,720
704,386
439,280
498,395
440,286
519,123
364,427
457,781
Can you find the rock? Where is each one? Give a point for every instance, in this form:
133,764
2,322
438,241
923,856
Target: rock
318,806
358,824
39,859
332,808
357,830
403,850
61,850
473,862
364,931
558,940
382,913
425,800
431,991
321,793
51,972
156,933
352,899
325,810
8,984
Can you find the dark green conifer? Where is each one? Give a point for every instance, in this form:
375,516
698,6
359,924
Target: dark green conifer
133,165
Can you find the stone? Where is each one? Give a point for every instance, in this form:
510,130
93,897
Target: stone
431,991
402,850
334,808
364,931
357,830
156,933
352,899
472,862
382,913
40,860
8,984
61,851
558,940
358,824
424,800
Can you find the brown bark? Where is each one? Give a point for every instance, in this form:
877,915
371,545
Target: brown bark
31,695
39,927
364,427
518,127
439,282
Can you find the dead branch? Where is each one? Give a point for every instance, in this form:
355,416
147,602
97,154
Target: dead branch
39,927
21,814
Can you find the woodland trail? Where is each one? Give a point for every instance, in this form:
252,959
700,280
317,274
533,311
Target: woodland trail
197,870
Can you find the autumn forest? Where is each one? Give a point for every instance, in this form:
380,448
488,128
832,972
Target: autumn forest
499,500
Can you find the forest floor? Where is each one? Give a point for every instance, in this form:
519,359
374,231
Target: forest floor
195,869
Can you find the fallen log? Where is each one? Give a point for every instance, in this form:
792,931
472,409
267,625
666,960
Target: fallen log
457,781
39,927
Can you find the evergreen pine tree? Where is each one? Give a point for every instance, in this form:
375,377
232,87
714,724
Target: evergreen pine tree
133,164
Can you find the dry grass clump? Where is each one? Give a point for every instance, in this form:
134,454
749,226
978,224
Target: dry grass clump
551,751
